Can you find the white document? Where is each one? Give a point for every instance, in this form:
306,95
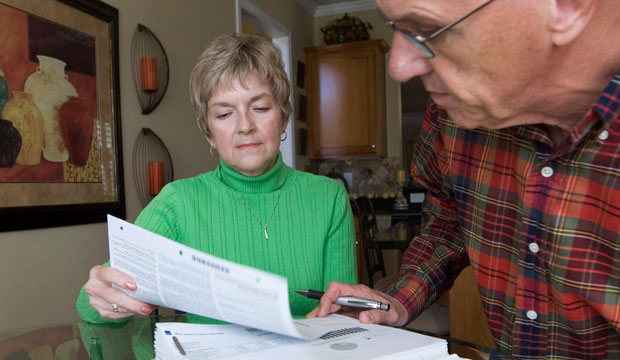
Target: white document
176,276
352,340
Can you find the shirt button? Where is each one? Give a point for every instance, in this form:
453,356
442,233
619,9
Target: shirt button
603,135
547,171
531,314
534,247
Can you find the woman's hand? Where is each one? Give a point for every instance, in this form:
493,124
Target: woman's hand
396,316
112,303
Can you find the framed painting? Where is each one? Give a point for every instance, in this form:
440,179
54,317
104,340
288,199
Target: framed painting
302,141
301,108
301,74
60,142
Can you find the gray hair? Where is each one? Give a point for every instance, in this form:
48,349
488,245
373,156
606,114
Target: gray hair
234,57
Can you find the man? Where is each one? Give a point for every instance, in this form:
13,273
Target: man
520,153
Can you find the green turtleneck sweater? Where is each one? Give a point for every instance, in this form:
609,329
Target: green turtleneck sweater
222,212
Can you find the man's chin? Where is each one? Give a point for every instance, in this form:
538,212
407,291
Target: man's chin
466,121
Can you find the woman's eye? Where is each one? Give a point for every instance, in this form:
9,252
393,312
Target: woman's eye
223,116
261,109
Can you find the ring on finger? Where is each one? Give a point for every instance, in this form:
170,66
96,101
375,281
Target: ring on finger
114,308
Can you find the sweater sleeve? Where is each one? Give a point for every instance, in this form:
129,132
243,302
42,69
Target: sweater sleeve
437,255
159,217
340,261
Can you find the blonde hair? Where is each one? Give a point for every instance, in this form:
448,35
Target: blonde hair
234,57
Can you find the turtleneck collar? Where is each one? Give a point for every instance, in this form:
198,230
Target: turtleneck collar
269,181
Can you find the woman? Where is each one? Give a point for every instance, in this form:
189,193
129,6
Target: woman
252,209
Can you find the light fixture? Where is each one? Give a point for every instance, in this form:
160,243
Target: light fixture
149,67
152,165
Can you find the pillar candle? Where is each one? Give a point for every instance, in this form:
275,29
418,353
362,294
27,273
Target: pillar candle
400,176
156,177
149,73
401,233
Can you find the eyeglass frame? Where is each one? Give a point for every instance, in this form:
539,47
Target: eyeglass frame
420,40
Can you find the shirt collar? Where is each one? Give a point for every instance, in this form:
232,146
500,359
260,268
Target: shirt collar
271,180
604,111
609,102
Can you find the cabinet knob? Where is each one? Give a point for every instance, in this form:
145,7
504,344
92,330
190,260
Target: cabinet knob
373,146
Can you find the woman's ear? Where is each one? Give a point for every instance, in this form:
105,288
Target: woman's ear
569,18
284,125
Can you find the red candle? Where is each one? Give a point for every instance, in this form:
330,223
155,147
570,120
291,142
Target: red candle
156,177
149,73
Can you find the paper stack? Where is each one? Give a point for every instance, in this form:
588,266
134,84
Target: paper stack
176,276
351,340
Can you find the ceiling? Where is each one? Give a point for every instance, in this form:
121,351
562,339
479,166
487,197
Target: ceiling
334,7
330,2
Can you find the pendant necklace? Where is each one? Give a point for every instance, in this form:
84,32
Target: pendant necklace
264,226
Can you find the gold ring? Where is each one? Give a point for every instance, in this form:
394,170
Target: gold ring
114,308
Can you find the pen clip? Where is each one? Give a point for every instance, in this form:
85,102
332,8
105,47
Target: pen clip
177,343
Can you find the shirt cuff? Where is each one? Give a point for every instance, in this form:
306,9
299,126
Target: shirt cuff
411,293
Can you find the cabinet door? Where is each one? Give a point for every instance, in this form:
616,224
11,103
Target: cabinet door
346,98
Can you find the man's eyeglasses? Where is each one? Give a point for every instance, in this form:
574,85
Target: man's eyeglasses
420,39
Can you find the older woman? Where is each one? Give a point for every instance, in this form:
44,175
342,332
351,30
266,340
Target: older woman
252,209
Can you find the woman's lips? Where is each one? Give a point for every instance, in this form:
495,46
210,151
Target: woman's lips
247,146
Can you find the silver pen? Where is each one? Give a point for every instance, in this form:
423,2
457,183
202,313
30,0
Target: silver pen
349,301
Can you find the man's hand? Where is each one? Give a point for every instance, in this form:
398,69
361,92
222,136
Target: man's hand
396,316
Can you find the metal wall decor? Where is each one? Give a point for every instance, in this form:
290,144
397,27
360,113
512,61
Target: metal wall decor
149,67
152,165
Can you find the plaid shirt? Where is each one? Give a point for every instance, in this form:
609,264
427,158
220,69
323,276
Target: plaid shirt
539,224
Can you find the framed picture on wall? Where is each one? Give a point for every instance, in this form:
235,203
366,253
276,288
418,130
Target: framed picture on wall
302,141
301,108
60,144
301,74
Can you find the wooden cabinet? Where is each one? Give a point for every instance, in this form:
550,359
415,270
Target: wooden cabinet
346,99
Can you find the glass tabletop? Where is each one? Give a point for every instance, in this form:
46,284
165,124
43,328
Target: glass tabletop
397,236
130,339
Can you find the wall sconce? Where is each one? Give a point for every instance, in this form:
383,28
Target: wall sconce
149,67
152,165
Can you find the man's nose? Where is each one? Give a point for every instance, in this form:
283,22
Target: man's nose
406,61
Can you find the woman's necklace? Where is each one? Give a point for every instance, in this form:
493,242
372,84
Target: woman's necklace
256,216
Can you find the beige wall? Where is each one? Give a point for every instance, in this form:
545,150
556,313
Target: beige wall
392,88
41,271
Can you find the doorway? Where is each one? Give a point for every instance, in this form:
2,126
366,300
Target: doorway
252,19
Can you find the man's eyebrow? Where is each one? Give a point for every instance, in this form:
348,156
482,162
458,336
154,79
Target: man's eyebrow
418,19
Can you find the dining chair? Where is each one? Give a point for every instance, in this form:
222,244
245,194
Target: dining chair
363,209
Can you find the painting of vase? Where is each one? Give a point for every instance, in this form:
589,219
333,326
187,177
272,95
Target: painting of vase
76,127
50,88
25,116
10,145
4,91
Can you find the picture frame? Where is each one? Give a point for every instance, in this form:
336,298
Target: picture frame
74,175
301,74
301,108
302,142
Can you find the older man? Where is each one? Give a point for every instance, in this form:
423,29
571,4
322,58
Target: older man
521,156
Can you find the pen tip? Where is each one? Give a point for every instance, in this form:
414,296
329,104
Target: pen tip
301,292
